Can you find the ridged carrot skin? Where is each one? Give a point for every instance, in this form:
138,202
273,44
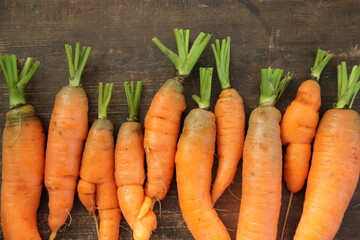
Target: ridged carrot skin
262,174
298,128
22,173
333,175
194,161
96,187
67,133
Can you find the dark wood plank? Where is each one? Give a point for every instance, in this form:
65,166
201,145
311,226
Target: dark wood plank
281,33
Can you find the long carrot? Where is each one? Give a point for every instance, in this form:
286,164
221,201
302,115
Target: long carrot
262,163
162,122
298,127
194,161
67,132
129,170
230,122
335,165
96,187
23,153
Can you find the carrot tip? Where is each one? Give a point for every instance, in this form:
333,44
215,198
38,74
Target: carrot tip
52,236
96,223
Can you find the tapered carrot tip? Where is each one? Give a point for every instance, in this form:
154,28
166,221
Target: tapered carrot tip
96,223
52,236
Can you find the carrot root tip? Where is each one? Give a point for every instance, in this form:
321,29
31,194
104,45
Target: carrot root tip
52,236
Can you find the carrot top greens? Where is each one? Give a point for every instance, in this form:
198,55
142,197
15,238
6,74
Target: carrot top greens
185,60
347,88
76,65
222,58
320,63
104,99
133,98
17,83
205,88
271,86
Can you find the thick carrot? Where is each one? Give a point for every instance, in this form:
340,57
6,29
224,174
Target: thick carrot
298,127
230,123
335,165
96,187
262,163
129,170
194,161
67,132
23,153
162,122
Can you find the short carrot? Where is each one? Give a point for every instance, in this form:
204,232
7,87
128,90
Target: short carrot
23,153
194,161
162,121
335,165
262,163
130,172
230,122
67,132
96,187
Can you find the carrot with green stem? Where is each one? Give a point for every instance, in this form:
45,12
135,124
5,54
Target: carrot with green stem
130,172
67,132
262,163
162,121
298,127
23,153
97,187
230,122
194,161
335,165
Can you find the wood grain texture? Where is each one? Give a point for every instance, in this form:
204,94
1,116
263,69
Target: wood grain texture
277,33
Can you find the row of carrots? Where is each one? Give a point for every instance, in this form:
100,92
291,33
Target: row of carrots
108,186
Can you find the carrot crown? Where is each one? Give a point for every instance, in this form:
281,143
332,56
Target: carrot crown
185,60
271,86
222,58
320,63
133,98
347,88
104,99
205,88
17,83
76,65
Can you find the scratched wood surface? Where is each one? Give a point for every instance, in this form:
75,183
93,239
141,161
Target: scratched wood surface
279,33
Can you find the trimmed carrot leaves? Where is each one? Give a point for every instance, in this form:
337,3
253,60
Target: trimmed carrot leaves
76,65
133,98
320,63
205,88
347,87
104,99
222,58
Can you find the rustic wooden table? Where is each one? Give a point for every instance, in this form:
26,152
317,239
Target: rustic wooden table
277,33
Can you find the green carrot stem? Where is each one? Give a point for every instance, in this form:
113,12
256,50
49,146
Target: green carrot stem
76,64
104,99
347,87
133,98
222,58
205,88
320,63
17,83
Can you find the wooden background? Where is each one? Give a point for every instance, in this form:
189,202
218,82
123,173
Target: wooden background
277,33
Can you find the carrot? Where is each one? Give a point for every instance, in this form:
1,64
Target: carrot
67,132
162,121
194,161
129,170
335,165
96,187
298,127
230,122
262,163
23,153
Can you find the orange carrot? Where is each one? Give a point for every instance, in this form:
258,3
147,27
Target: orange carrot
23,153
262,163
96,187
67,132
162,122
230,123
194,160
298,127
129,170
335,165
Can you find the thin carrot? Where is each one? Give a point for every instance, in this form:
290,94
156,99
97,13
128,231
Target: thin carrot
23,153
298,127
96,187
67,132
335,165
262,163
129,170
162,122
194,161
230,122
